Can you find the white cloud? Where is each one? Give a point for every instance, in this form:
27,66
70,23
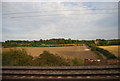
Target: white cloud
53,20
59,0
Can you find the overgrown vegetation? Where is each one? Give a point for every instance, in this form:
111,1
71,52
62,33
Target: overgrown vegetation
16,57
49,59
77,62
21,58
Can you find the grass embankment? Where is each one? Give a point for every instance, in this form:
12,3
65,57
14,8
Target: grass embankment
21,58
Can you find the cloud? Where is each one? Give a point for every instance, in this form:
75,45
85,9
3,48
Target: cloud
0,21
57,20
60,0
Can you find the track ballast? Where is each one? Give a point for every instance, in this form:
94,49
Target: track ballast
76,73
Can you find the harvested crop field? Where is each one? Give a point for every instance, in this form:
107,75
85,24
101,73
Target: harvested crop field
112,49
67,52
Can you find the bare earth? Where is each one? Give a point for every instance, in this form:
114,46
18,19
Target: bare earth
112,49
67,52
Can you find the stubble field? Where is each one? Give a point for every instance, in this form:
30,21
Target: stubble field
67,52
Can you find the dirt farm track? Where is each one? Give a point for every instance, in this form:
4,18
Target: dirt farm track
67,52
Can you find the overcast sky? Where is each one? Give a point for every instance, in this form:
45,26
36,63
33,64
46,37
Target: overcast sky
75,20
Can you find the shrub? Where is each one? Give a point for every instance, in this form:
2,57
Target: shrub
16,57
77,62
49,59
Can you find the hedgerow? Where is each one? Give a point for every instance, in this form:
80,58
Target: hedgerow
106,53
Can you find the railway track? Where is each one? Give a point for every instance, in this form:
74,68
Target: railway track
83,73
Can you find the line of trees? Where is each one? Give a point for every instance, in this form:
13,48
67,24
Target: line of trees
102,42
40,43
57,42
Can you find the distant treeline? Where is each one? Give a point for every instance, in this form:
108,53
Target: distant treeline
41,43
102,42
57,42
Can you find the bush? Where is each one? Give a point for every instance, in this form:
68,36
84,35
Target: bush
77,62
49,59
16,57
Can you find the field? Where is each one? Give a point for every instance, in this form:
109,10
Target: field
67,52
112,49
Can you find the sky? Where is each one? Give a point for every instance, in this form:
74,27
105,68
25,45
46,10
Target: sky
46,20
60,0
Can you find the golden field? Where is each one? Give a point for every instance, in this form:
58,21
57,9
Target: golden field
67,52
